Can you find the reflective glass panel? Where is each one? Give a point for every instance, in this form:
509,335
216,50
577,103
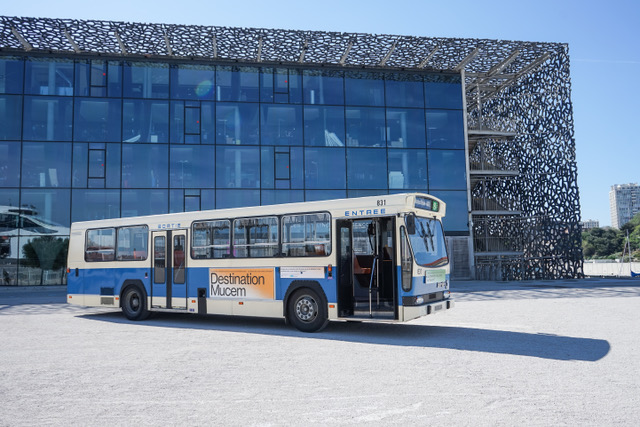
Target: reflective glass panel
49,77
366,168
10,164
255,237
323,87
407,169
324,126
366,127
193,123
237,167
311,195
10,117
113,166
46,164
273,197
49,210
144,166
80,164
237,198
193,82
445,129
132,243
404,90
281,125
237,84
95,204
237,124
100,245
144,202
405,128
325,168
11,72
447,170
146,80
306,235
457,218
47,118
442,91
145,121
98,78
97,119
364,88
211,239
192,166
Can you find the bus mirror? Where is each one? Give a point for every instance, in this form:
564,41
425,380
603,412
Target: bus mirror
410,220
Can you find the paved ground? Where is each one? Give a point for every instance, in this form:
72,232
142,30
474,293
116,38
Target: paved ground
531,353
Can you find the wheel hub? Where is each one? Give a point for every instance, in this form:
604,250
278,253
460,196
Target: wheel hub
306,309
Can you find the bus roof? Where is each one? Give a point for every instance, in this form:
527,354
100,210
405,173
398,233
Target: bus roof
383,205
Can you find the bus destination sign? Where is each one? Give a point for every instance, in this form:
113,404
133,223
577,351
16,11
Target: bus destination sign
427,204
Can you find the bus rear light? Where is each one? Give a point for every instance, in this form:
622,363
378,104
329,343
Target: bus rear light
68,270
241,303
70,296
332,306
193,301
330,271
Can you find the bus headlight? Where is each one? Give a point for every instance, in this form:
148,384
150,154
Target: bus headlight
419,300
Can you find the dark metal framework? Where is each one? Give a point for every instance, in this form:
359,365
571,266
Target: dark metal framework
525,213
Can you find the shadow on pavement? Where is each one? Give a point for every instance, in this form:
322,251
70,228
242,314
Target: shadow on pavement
539,345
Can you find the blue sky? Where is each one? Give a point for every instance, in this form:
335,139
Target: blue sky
603,38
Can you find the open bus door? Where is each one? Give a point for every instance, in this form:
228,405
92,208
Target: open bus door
367,282
169,278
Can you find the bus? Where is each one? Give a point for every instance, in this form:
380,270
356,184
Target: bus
379,259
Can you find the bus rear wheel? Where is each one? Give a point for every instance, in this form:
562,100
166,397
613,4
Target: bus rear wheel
134,303
307,311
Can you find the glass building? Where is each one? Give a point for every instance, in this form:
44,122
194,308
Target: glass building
117,125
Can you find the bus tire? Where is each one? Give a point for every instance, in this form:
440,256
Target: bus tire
307,310
134,303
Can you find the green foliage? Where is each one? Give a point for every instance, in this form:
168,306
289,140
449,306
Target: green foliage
608,243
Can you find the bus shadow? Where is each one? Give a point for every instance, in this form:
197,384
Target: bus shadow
540,345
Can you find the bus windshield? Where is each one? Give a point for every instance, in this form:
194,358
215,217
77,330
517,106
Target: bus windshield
428,243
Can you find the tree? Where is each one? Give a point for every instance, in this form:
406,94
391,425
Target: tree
46,253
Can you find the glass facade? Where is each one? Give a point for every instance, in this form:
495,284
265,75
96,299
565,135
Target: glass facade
89,139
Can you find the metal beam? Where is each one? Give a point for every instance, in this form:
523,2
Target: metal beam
168,43
343,59
122,48
426,60
468,59
214,42
76,48
259,50
305,46
25,44
388,55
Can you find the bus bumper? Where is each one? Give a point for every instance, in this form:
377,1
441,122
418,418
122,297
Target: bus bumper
413,312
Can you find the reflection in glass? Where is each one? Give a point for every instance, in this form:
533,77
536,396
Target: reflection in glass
144,202
324,126
408,170
237,124
192,166
325,168
90,205
144,166
10,164
323,87
238,167
98,78
237,84
443,91
43,259
445,129
46,164
281,125
193,82
97,120
11,72
457,218
366,168
50,207
10,117
364,88
145,121
404,90
49,77
237,198
365,127
47,118
405,128
447,170
146,80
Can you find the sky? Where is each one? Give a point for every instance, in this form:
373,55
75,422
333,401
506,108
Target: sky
603,39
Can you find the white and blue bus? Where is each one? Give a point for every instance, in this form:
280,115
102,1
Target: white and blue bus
372,258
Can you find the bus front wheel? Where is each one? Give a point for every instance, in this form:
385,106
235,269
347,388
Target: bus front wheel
307,311
134,303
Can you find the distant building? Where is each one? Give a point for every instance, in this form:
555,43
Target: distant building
624,203
590,223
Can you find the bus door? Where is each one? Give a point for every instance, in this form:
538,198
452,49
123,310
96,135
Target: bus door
367,277
169,282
